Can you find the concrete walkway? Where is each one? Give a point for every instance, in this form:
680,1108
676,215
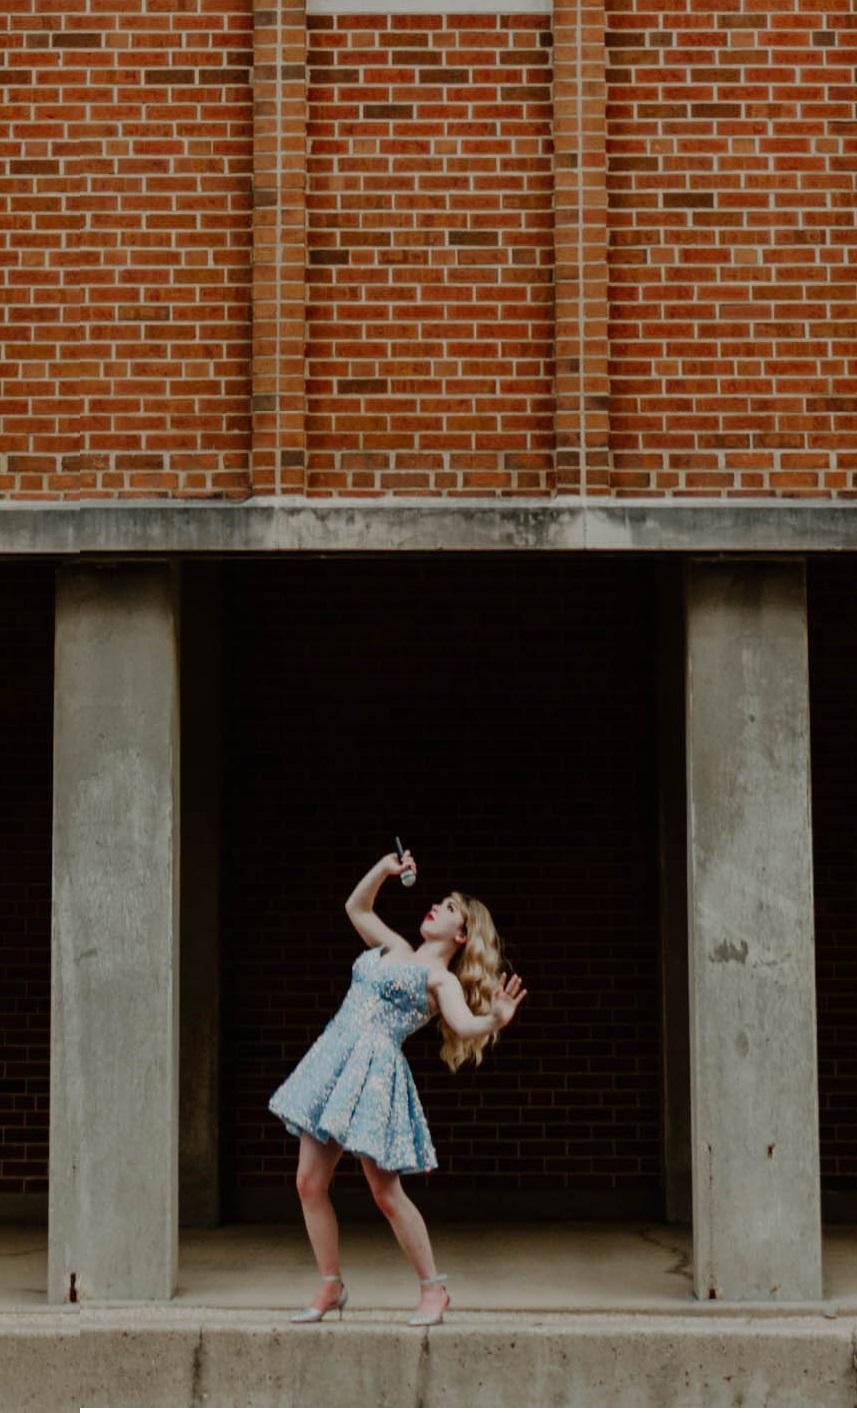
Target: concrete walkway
538,1266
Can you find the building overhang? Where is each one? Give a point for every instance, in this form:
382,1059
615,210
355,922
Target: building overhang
285,524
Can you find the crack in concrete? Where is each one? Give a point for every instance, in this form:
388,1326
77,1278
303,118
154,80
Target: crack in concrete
421,1392
684,1264
197,1398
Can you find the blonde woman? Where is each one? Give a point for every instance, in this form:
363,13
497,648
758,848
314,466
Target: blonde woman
353,1090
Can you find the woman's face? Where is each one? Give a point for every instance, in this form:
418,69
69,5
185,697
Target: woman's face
444,922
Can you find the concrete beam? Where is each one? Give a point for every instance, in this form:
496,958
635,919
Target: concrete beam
290,524
112,1212
753,1061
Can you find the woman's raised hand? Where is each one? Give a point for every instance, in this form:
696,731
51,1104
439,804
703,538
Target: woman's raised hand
506,999
394,867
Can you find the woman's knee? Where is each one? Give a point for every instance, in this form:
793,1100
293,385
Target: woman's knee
387,1192
311,1185
316,1164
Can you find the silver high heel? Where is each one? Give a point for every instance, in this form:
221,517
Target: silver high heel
312,1312
427,1318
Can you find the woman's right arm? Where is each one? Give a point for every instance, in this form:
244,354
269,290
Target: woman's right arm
358,906
362,897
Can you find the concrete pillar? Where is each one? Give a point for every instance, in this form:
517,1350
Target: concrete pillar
754,1081
201,792
672,816
113,1202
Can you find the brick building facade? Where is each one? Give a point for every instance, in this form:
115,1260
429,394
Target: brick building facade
410,393
603,250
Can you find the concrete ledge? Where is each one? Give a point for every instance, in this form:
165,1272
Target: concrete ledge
40,1359
136,1355
295,524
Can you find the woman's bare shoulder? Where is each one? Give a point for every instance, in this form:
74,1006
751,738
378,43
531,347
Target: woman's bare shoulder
400,950
442,979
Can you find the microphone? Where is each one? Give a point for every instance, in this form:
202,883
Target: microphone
408,877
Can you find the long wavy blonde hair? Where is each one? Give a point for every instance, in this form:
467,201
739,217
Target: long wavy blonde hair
478,964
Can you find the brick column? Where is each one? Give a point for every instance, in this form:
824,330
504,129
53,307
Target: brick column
581,247
279,200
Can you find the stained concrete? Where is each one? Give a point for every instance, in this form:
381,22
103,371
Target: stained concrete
753,1028
548,1362
266,525
525,1267
113,1181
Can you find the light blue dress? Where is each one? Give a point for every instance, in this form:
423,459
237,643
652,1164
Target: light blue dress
354,1084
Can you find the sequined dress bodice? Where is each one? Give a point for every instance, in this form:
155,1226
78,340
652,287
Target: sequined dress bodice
354,1084
389,995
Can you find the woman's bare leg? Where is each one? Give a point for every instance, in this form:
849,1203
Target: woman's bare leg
409,1229
316,1164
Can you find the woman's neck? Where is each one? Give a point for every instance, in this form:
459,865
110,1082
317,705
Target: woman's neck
437,953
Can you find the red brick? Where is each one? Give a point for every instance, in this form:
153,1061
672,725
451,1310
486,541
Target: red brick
676,102
446,299
681,211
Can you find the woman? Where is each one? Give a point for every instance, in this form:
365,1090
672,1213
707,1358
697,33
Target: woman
353,1090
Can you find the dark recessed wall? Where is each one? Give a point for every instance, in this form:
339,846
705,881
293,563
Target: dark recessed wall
26,770
498,713
832,602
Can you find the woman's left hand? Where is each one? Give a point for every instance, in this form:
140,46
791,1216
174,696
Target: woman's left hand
506,999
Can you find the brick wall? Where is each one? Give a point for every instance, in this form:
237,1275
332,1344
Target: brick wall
26,728
41,396
832,601
126,252
430,253
499,716
732,247
431,261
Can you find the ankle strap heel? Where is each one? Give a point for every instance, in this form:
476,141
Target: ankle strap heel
436,1318
312,1313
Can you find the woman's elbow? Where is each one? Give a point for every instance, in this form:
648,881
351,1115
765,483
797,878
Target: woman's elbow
462,1029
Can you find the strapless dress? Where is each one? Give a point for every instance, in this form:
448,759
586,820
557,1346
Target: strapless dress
354,1084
